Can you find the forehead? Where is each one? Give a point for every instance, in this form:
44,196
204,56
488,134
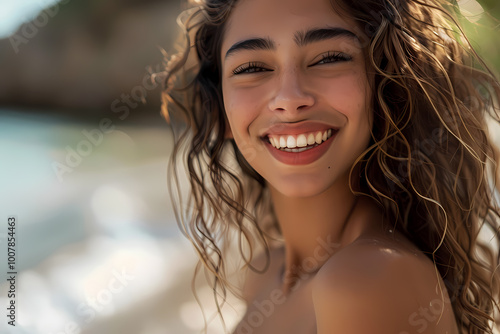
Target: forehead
280,19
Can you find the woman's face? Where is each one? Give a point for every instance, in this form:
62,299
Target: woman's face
296,92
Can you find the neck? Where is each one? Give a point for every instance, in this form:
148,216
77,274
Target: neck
314,228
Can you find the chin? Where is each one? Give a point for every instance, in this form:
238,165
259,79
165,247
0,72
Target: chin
302,187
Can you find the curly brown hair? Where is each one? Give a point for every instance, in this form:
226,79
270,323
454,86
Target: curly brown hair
430,163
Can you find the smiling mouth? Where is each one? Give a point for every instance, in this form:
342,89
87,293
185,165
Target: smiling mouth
301,142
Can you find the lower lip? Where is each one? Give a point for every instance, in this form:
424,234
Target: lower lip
301,158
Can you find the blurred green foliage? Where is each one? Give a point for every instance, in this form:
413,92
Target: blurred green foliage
484,34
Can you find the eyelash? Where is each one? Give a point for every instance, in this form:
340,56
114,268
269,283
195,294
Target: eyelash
333,57
254,67
250,68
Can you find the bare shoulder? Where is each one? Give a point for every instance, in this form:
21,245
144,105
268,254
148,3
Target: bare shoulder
377,285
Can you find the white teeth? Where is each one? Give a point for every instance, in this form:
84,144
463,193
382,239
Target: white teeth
301,141
294,143
282,141
290,142
319,138
296,150
310,139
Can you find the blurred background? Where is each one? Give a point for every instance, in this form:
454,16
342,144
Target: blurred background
83,166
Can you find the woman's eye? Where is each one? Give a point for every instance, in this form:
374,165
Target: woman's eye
333,57
250,68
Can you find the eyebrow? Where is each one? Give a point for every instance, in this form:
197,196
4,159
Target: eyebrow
301,38
251,44
318,35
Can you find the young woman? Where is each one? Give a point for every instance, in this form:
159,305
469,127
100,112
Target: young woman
364,170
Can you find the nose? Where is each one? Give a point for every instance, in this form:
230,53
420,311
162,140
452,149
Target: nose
290,94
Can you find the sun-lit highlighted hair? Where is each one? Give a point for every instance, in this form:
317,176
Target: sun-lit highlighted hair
430,163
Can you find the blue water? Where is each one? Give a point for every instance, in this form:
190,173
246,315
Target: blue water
57,208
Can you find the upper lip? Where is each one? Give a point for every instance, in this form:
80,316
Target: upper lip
297,128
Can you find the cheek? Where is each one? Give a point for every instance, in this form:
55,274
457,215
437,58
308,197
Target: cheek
241,107
349,96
